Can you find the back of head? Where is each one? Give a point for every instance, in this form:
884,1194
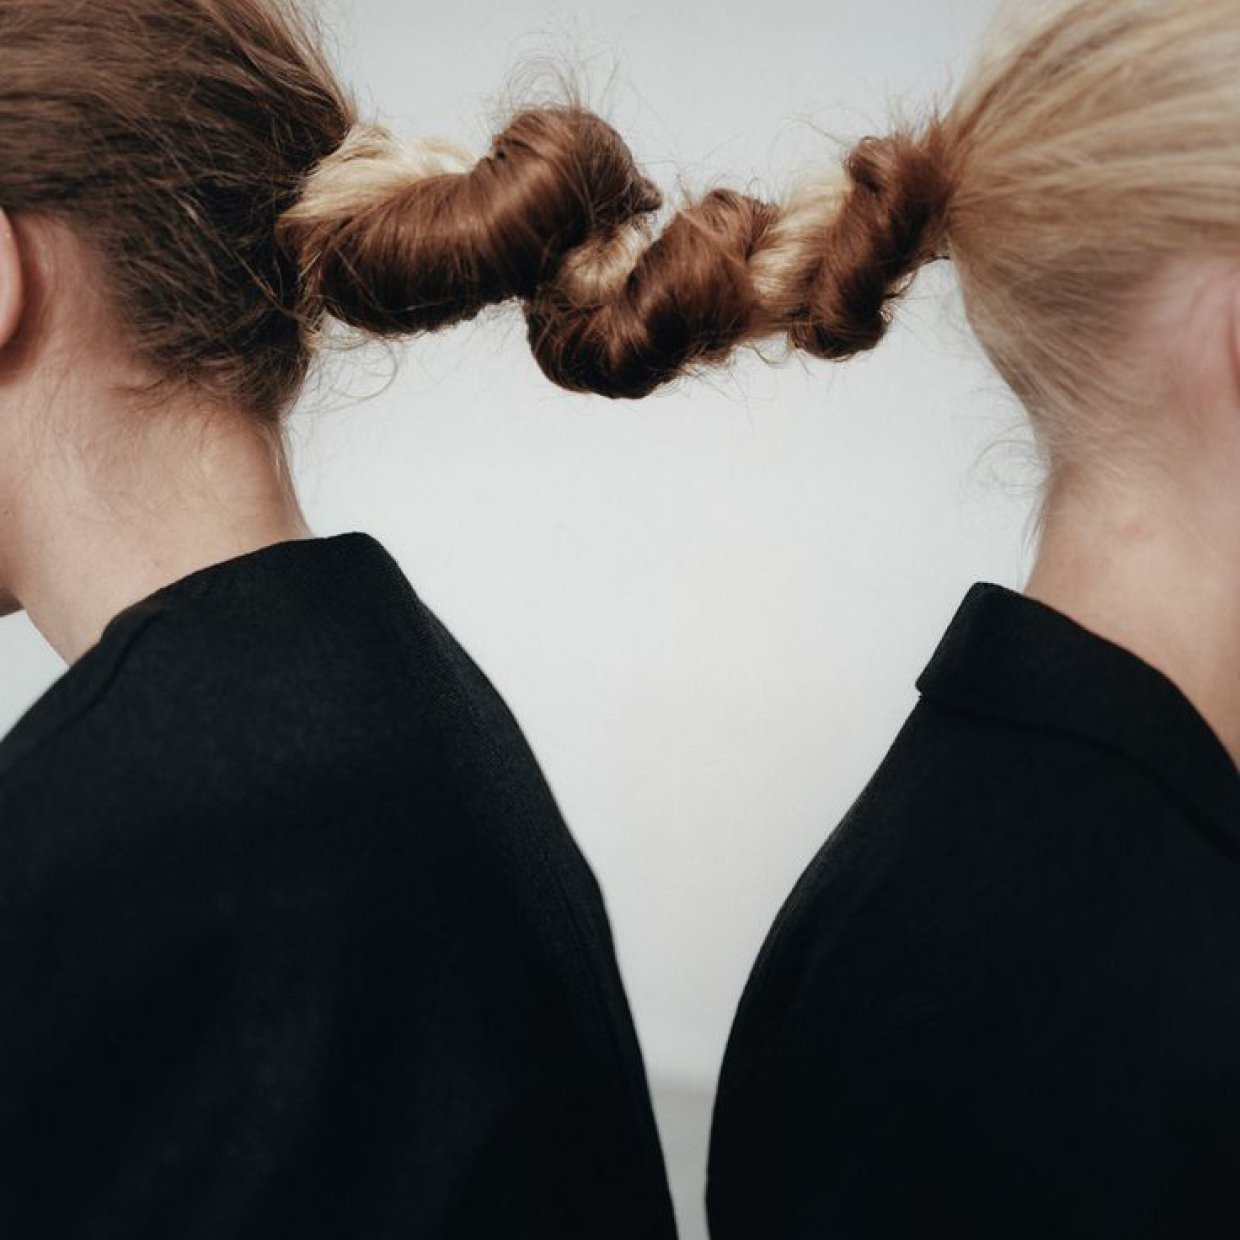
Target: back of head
219,176
169,134
1097,142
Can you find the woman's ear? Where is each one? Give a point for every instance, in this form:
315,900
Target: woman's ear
12,292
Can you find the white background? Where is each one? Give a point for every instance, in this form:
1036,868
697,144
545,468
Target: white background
707,609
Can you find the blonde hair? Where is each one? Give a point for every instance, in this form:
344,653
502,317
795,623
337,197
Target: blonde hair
1094,140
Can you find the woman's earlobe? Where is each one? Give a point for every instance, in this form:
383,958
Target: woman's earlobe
12,295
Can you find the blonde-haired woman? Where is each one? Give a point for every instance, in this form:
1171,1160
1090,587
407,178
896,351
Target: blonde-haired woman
1003,1000
293,940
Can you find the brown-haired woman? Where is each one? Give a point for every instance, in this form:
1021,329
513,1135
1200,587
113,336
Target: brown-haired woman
293,940
1003,1000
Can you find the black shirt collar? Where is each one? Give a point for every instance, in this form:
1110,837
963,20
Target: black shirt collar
328,562
1011,657
324,571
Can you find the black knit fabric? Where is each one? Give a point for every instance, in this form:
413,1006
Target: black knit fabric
294,942
1003,1001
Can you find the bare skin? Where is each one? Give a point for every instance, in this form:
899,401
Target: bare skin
1153,562
98,508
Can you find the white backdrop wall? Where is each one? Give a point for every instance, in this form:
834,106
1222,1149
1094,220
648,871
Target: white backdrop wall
707,609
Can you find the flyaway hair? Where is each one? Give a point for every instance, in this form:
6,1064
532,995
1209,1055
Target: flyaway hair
208,155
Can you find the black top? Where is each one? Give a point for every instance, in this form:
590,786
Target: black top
294,942
1003,1001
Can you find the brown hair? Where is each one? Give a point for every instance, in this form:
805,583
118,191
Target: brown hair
1091,143
392,246
170,134
206,155
730,269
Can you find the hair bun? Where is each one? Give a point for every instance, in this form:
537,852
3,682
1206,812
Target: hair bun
398,238
892,220
730,269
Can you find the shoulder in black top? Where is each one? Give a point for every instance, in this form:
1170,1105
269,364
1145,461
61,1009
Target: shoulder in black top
294,942
1004,999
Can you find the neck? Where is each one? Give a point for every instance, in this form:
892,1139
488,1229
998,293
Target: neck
1156,571
92,532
